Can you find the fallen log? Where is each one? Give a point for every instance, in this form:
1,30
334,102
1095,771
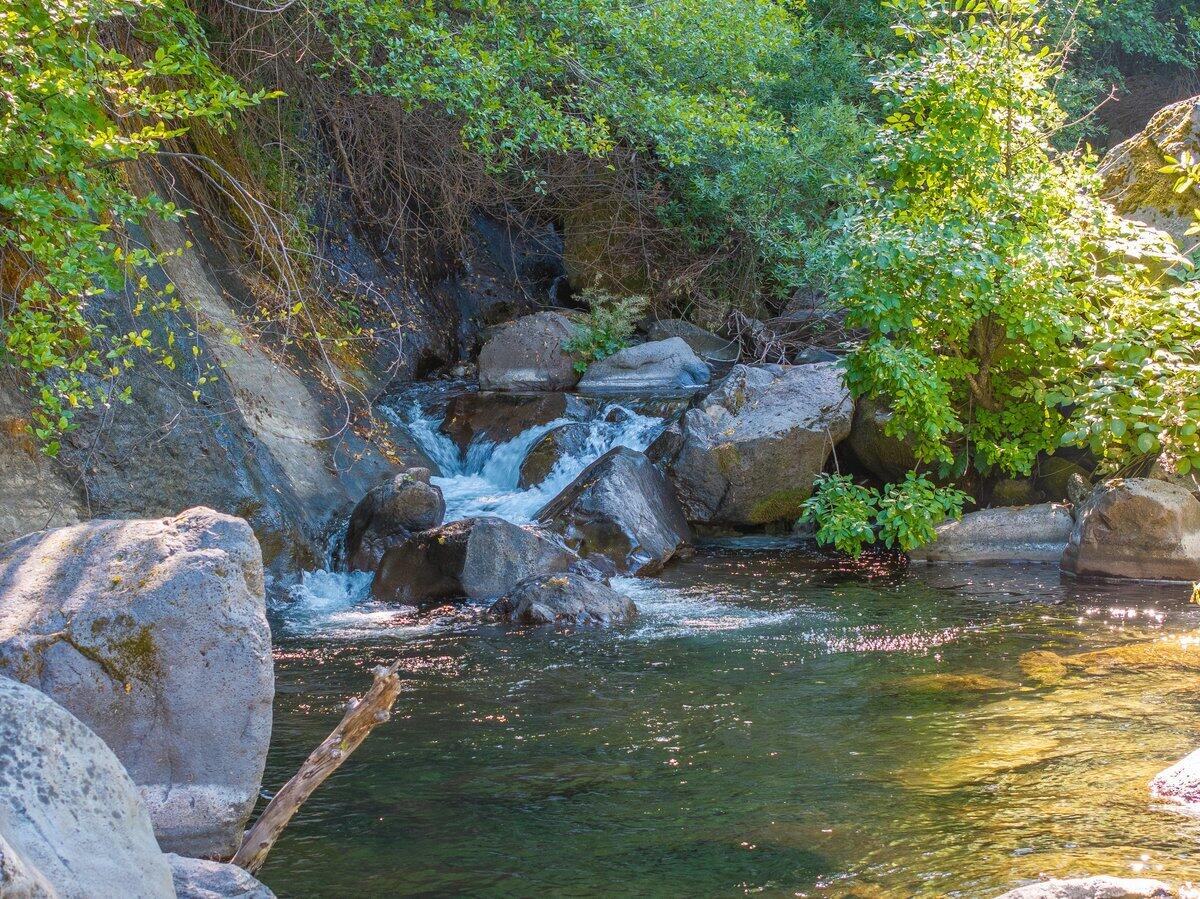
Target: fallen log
362,716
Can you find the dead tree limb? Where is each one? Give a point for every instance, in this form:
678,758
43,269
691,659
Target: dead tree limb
361,717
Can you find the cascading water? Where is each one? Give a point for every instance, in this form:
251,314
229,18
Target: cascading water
483,481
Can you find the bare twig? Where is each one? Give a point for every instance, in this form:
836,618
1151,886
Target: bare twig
361,717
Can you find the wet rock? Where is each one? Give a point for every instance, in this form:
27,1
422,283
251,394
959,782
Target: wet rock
1179,783
888,458
660,365
501,417
748,454
1136,528
528,354
567,599
1092,888
620,514
1009,534
72,825
154,634
197,878
544,455
705,344
388,514
476,558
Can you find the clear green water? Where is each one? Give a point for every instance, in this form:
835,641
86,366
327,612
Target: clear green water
767,728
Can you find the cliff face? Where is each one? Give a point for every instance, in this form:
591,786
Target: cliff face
285,434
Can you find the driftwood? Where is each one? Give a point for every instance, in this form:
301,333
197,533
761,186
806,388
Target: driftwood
362,715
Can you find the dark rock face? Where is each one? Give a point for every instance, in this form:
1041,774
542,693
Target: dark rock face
565,600
705,344
1015,492
1136,528
749,452
544,455
388,514
499,417
888,458
528,354
620,514
660,365
476,558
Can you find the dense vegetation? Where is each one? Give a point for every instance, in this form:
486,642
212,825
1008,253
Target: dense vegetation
916,162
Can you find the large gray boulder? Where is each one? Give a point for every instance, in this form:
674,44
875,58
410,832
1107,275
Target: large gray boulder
154,634
475,558
749,453
1103,887
388,514
705,344
499,417
1136,528
197,878
528,354
659,365
1006,534
72,825
568,599
620,514
1179,783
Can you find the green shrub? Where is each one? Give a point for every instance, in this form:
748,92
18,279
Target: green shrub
610,323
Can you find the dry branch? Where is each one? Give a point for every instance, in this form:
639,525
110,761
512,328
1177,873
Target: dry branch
361,717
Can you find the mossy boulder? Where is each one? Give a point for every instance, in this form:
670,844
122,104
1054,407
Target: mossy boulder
154,634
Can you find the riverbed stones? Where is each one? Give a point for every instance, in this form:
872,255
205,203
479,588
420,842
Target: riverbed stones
197,878
566,599
1103,887
551,447
501,417
154,634
749,452
620,514
705,344
1136,528
72,825
475,558
388,514
1180,783
1035,533
529,354
658,365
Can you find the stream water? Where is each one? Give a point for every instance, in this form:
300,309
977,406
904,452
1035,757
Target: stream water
770,725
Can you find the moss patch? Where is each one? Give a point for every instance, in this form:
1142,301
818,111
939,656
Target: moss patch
782,504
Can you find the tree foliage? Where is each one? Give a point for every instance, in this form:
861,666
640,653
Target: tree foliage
88,87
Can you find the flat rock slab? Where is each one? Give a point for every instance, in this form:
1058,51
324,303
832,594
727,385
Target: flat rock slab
1008,534
1092,888
72,825
658,365
154,634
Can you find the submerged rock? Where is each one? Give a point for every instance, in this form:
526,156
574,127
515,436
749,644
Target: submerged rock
388,514
620,514
564,599
154,634
501,417
528,354
1179,783
72,825
705,344
749,453
1169,654
476,558
197,878
954,684
1136,528
659,365
1008,534
1103,887
544,455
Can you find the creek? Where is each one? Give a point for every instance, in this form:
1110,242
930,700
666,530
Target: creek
773,723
